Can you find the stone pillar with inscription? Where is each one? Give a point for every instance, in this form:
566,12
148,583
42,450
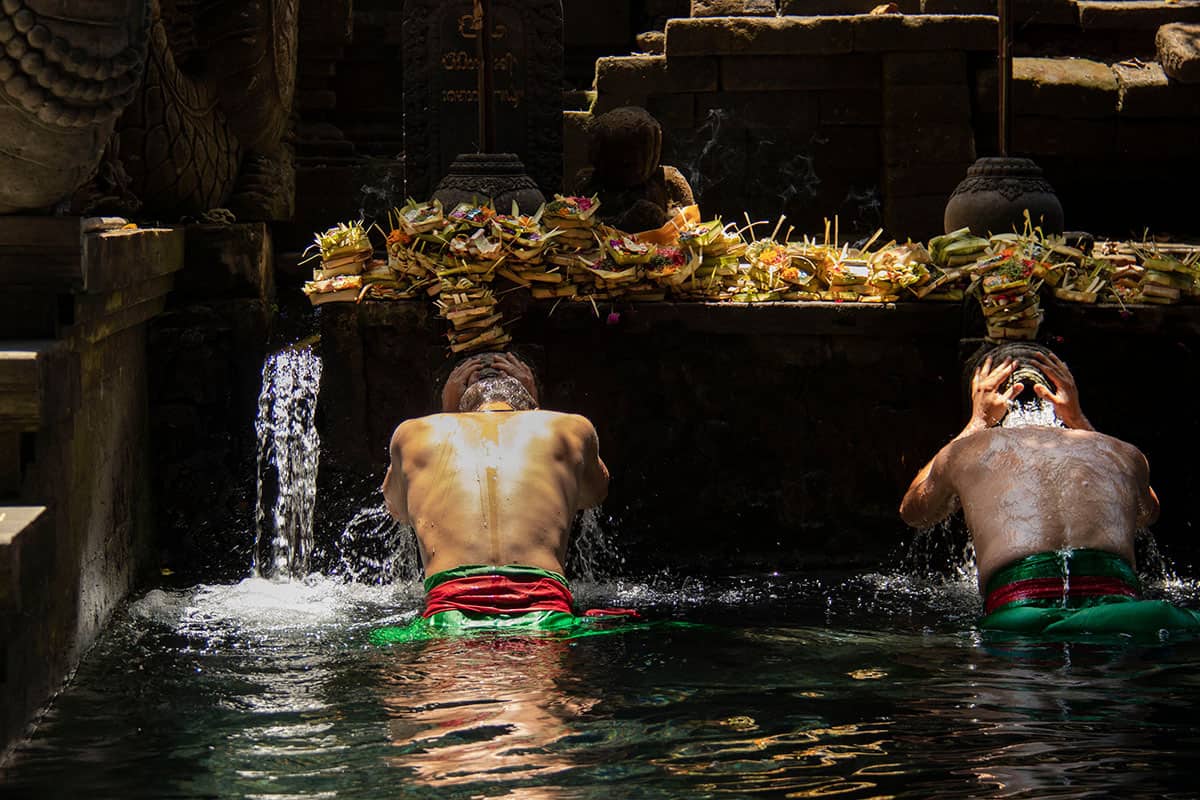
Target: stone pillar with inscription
441,96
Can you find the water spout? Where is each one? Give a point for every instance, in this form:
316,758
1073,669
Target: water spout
288,454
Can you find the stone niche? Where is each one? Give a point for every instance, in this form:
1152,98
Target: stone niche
441,92
741,437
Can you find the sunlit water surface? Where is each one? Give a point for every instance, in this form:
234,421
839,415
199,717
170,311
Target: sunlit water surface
859,686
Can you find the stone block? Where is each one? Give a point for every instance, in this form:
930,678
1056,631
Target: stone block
759,36
923,179
773,73
653,42
816,7
912,105
118,259
796,110
1064,87
733,8
924,69
928,143
641,76
850,107
41,251
1037,136
1178,48
1146,91
1135,14
941,33
227,261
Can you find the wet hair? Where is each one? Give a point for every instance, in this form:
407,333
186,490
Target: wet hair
1027,371
527,358
498,389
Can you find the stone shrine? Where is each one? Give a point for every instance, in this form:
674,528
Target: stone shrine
441,93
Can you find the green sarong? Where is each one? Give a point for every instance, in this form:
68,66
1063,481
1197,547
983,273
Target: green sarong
506,600
1077,592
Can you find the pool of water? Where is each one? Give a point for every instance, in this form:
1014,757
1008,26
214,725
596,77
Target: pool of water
859,686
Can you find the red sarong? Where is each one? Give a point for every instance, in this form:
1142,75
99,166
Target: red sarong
498,594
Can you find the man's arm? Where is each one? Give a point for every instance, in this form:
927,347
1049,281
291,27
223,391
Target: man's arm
932,497
395,491
1148,506
593,484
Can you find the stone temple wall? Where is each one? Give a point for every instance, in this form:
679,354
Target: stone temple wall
876,118
739,437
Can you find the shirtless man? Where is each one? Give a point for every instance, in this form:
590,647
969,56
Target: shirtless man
1053,511
491,486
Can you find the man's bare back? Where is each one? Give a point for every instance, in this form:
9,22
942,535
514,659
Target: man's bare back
1030,490
495,486
1034,489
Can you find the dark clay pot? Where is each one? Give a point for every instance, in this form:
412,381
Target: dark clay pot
995,194
499,177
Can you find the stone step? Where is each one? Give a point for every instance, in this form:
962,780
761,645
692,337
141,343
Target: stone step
23,530
22,371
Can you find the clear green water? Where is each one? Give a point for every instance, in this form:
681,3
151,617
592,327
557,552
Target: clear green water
804,686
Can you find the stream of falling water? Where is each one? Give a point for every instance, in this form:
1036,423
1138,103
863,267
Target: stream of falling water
288,455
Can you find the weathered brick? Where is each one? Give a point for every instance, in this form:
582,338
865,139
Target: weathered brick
901,180
889,32
928,143
911,105
803,8
1145,91
733,8
759,36
1178,49
923,69
1135,14
634,76
653,42
753,73
1056,136
853,107
761,109
1064,87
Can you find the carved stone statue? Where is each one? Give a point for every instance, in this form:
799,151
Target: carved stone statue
67,71
203,90
636,191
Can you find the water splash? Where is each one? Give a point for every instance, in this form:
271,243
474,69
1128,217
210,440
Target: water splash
375,549
592,554
288,453
942,552
1024,414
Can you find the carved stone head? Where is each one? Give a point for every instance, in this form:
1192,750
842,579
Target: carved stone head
624,147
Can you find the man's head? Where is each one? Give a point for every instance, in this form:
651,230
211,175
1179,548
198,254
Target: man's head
490,378
1027,371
